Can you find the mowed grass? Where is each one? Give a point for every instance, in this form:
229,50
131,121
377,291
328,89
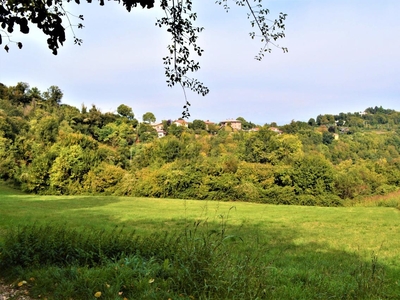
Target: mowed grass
307,252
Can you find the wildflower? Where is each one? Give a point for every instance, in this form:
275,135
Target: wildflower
151,280
97,294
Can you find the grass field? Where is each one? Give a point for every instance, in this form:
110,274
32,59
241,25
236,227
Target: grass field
266,252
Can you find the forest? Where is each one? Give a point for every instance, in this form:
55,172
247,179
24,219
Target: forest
47,147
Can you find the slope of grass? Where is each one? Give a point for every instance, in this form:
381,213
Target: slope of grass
222,250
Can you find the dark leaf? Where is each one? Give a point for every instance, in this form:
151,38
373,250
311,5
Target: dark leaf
1,39
6,48
10,27
19,44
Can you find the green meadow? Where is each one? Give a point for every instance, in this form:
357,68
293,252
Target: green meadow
88,247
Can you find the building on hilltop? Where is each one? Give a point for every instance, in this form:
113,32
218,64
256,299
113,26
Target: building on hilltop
159,127
274,129
235,124
181,122
161,133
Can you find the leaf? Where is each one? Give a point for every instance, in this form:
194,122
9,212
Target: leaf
19,44
6,48
23,25
1,39
10,27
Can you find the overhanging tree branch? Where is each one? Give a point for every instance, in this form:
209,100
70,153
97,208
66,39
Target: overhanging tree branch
49,16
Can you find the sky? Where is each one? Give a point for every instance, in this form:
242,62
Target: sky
344,56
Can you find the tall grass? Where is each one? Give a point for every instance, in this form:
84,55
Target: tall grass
198,263
388,200
64,263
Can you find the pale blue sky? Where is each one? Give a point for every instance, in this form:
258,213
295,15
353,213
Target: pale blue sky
344,56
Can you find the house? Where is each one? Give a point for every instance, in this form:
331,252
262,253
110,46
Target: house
161,133
157,126
181,122
235,124
274,129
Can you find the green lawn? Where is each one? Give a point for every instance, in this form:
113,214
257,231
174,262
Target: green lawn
307,252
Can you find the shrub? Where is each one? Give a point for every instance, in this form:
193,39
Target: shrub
104,179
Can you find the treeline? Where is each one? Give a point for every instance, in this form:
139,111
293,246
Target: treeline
47,147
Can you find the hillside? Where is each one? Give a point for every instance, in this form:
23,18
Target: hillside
47,147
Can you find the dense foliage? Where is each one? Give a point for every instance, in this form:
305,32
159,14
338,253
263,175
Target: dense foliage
51,148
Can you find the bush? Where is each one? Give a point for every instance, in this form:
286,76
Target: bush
104,179
386,189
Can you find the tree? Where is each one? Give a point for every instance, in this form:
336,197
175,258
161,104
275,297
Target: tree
313,175
18,94
198,125
35,96
149,117
245,125
53,95
46,129
125,111
175,130
327,137
50,17
322,120
311,122
294,126
146,132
